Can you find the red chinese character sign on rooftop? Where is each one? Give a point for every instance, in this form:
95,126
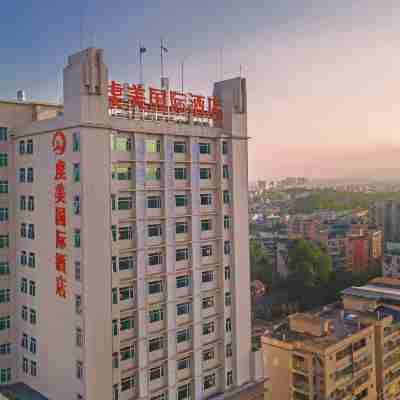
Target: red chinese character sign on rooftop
59,144
129,100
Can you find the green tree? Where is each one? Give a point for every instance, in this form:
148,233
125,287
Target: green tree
260,264
308,263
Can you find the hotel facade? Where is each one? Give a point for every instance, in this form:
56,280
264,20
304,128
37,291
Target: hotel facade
124,264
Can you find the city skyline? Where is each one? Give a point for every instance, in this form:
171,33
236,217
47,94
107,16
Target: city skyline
322,79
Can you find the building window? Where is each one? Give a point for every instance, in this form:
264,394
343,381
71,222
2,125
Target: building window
3,214
114,295
156,344
227,222
120,143
126,293
228,299
3,134
228,325
114,263
5,348
228,350
184,392
183,308
32,316
77,172
183,363
156,373
5,295
206,225
154,230
23,258
24,313
29,175
115,327
24,341
183,335
227,247
205,148
21,147
22,203
31,231
153,173
29,146
207,250
125,203
205,173
127,323
22,176
182,254
25,367
77,204
155,287
78,303
227,197
156,315
207,276
24,285
224,147
4,268
182,281
154,202
208,302
153,146
205,199
113,202
33,345
209,381
4,241
33,368
77,265
3,159
208,354
121,173
5,323
181,173
76,142
155,258
126,263
3,186
179,147
79,370
181,200
229,378
32,288
125,232
32,260
115,360
127,383
31,203
225,172
127,353
77,238
208,328
115,392
162,396
181,227
23,230
114,233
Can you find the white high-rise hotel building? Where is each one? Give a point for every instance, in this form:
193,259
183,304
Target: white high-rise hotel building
124,265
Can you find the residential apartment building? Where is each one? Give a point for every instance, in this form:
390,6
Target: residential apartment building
386,216
124,243
347,350
323,355
303,227
391,260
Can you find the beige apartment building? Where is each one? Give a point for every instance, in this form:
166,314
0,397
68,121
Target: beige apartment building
124,265
348,350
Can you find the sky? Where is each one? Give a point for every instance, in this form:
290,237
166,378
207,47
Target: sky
322,76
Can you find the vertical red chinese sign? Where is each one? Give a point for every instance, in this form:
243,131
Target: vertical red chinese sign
59,145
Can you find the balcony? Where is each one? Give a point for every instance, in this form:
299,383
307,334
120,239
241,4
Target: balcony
300,366
391,360
391,376
389,330
300,396
302,386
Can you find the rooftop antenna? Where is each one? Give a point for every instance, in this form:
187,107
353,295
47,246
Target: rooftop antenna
164,80
81,27
142,50
182,75
220,64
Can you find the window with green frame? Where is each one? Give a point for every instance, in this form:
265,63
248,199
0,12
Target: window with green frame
3,159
